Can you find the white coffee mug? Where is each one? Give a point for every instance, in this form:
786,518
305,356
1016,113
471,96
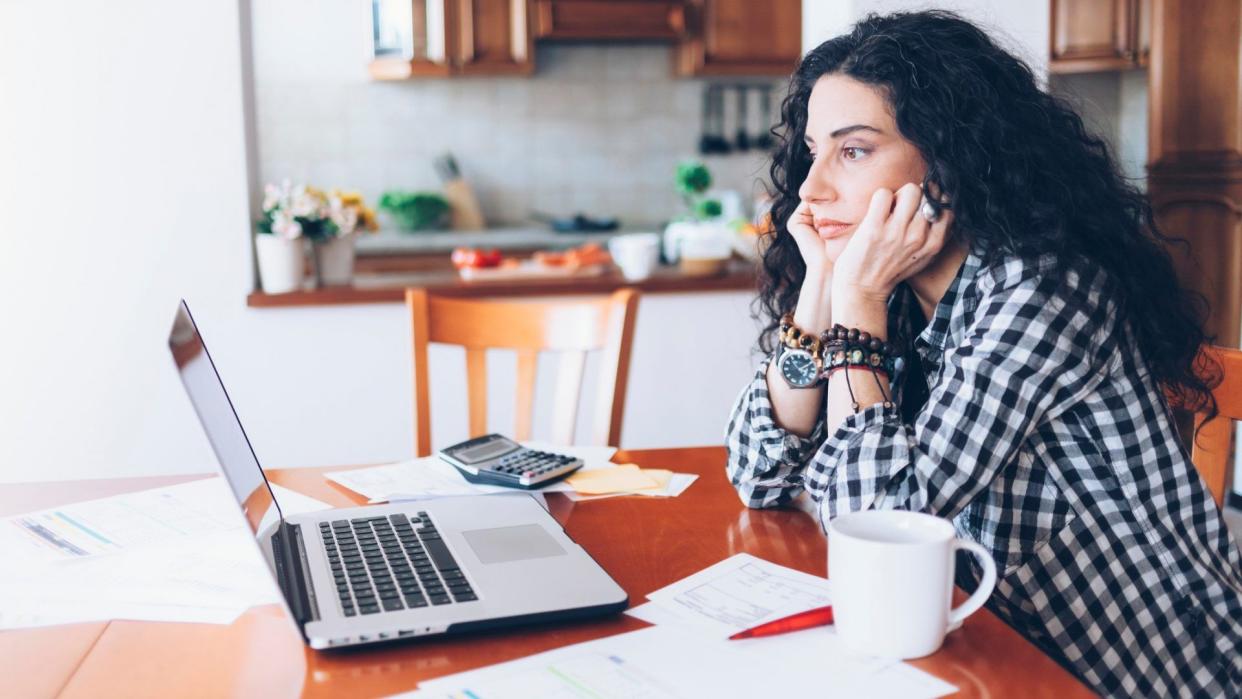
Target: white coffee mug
637,254
892,581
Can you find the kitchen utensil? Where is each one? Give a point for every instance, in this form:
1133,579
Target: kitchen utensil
764,140
705,140
466,214
713,140
742,140
578,223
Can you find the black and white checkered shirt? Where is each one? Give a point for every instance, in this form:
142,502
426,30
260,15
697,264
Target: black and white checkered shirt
1045,439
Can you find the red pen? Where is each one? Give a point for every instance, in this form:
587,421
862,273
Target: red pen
820,616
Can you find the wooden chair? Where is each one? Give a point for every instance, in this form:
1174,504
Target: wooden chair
1210,445
570,328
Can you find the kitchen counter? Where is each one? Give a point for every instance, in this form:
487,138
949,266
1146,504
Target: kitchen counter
389,286
390,261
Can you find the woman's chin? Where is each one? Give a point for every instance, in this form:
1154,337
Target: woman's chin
834,247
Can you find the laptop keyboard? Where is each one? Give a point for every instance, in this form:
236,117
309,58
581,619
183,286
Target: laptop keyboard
391,563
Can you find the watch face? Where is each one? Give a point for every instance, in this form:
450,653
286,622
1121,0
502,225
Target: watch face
799,369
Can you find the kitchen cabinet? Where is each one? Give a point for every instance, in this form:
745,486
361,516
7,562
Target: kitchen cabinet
413,38
740,37
1099,35
609,19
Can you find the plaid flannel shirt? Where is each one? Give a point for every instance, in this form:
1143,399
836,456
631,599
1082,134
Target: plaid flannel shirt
1045,439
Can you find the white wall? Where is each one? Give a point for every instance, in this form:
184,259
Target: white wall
124,188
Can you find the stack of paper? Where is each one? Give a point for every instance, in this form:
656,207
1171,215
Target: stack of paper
687,654
179,553
628,479
431,477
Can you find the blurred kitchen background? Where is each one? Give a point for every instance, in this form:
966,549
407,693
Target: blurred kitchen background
136,139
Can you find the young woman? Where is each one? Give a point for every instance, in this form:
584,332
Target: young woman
972,315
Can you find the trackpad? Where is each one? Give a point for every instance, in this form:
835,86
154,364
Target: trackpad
517,543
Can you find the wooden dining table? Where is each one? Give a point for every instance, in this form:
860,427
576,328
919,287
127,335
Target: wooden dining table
645,543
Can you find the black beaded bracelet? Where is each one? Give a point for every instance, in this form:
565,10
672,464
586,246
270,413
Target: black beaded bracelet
852,347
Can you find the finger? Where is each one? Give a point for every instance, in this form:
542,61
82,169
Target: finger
909,197
877,210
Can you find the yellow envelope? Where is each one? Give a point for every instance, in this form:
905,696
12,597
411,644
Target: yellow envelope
602,481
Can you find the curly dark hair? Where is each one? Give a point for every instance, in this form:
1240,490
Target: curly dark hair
1017,166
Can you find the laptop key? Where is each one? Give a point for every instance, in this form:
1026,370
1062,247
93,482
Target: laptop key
465,596
350,612
369,609
413,601
440,599
392,605
440,554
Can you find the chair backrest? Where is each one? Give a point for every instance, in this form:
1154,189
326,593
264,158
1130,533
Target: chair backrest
570,328
1212,438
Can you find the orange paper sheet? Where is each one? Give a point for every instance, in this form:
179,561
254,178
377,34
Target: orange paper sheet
622,479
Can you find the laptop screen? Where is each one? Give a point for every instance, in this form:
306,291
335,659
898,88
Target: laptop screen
224,430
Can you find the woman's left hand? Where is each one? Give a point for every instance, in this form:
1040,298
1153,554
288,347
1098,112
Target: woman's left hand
894,242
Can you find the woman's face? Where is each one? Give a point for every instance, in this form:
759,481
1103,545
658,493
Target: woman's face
855,150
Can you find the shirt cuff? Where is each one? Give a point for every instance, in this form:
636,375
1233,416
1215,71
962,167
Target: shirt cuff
871,418
777,443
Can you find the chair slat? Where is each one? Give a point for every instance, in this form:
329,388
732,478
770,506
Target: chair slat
476,389
565,399
524,411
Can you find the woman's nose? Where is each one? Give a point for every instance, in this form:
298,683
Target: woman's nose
817,186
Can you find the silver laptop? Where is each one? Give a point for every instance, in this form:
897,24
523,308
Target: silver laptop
384,572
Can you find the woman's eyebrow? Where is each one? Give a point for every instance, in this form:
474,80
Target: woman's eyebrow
844,130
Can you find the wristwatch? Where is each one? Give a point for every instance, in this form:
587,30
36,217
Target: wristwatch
799,367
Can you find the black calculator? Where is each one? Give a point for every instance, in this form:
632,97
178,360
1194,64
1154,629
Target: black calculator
494,459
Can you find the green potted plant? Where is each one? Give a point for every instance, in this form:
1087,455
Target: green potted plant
699,238
416,211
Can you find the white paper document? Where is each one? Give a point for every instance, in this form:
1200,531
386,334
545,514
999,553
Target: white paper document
210,575
661,662
741,592
112,524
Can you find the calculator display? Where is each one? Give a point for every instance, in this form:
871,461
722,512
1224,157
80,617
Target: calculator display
485,451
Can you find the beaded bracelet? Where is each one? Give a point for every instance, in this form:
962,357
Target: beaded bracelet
850,348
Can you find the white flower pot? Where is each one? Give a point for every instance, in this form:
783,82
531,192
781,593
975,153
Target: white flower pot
336,261
703,247
282,263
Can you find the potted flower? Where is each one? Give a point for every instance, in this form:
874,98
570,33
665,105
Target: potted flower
292,214
334,254
699,239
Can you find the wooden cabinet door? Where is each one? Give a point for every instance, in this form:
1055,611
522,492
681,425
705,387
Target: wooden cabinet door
741,37
609,19
438,38
1093,35
490,37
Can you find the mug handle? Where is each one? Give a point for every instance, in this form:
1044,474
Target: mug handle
958,614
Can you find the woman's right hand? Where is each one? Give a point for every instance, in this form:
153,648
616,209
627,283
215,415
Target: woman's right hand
801,226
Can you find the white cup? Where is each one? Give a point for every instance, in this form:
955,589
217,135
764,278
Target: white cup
892,581
637,254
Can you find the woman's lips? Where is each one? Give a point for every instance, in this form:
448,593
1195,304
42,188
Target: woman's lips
827,230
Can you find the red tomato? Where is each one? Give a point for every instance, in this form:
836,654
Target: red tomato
489,258
476,259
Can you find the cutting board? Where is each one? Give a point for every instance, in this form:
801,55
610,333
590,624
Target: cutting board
529,270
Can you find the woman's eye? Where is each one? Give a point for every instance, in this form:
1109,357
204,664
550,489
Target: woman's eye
853,153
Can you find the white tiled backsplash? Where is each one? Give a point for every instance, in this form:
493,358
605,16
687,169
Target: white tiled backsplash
599,128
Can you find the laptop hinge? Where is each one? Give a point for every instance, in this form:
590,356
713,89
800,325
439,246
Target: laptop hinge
292,572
